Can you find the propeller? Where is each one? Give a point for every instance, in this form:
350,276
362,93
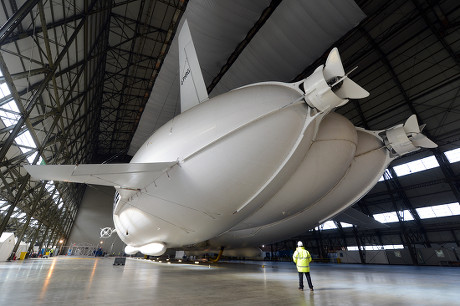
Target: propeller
414,133
329,86
406,138
340,84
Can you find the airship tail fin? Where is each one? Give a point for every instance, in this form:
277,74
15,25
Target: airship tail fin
130,176
192,88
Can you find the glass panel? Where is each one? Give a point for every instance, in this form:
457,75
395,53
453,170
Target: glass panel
25,139
402,170
373,247
441,210
49,186
406,215
5,208
430,162
444,210
393,247
380,218
416,166
21,215
454,208
453,155
328,225
4,90
31,158
9,114
386,174
386,217
425,212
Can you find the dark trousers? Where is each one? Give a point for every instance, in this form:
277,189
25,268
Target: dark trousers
307,275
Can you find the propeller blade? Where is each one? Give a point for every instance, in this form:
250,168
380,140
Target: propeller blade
411,125
351,90
421,140
333,67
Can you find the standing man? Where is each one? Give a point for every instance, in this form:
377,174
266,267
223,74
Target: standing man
302,259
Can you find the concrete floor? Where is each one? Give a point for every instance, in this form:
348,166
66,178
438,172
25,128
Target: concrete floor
90,281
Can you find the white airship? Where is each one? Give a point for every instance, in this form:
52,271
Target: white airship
255,165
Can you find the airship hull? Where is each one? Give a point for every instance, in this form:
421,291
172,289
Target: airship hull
255,165
368,164
261,159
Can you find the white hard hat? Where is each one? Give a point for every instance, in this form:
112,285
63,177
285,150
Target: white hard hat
299,243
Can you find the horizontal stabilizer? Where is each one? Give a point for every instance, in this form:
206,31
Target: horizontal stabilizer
133,176
353,216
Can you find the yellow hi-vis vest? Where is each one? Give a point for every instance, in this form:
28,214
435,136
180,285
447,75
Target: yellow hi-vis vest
302,258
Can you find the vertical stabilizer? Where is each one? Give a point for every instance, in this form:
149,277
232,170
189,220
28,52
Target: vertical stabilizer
192,88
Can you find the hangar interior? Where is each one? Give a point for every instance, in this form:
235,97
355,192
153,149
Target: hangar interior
87,81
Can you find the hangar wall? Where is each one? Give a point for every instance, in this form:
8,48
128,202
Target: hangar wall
425,256
95,213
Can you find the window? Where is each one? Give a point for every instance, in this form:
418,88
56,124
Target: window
9,112
49,186
4,208
377,247
9,115
328,225
4,91
406,215
387,217
416,166
451,209
453,155
386,174
17,213
393,246
21,215
331,225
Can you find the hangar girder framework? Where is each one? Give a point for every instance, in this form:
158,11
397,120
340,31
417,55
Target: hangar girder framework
75,76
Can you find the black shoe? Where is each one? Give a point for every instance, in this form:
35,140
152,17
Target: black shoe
301,289
311,289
